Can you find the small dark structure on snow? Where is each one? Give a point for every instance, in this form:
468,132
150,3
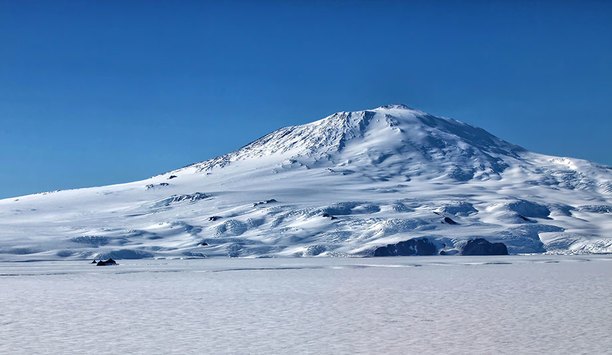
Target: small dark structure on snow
108,262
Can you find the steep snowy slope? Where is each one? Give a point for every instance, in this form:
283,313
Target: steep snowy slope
343,185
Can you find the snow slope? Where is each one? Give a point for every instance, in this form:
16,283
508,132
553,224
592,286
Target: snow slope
342,185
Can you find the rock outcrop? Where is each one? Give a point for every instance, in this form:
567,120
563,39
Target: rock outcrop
411,247
481,246
108,262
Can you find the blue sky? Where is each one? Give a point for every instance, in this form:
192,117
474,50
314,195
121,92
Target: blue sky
101,92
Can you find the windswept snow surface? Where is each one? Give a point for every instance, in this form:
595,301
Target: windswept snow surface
399,305
340,186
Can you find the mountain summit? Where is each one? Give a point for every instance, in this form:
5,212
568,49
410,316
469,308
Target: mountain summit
390,180
393,133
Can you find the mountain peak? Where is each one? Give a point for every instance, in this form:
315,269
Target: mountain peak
392,109
395,107
398,109
387,134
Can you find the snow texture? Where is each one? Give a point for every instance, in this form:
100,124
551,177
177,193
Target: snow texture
547,304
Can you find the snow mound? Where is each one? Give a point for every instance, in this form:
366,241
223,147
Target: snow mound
458,208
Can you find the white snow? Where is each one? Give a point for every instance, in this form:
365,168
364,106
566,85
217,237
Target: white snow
417,305
386,175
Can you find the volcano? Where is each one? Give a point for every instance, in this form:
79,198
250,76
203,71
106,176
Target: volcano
344,185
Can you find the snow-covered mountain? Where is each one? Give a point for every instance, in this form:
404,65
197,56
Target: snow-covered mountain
344,185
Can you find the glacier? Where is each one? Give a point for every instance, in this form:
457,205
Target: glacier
344,185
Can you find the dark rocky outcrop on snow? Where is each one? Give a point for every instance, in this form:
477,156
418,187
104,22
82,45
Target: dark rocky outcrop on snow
449,220
195,197
481,246
412,247
264,202
108,262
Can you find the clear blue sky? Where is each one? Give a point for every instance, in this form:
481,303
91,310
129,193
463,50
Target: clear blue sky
100,92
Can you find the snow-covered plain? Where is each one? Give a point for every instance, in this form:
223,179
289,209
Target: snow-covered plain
548,304
343,185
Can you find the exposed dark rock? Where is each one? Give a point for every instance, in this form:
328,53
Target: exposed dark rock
526,219
193,197
108,262
327,215
264,202
94,261
412,247
203,244
172,177
152,186
449,220
214,218
481,246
